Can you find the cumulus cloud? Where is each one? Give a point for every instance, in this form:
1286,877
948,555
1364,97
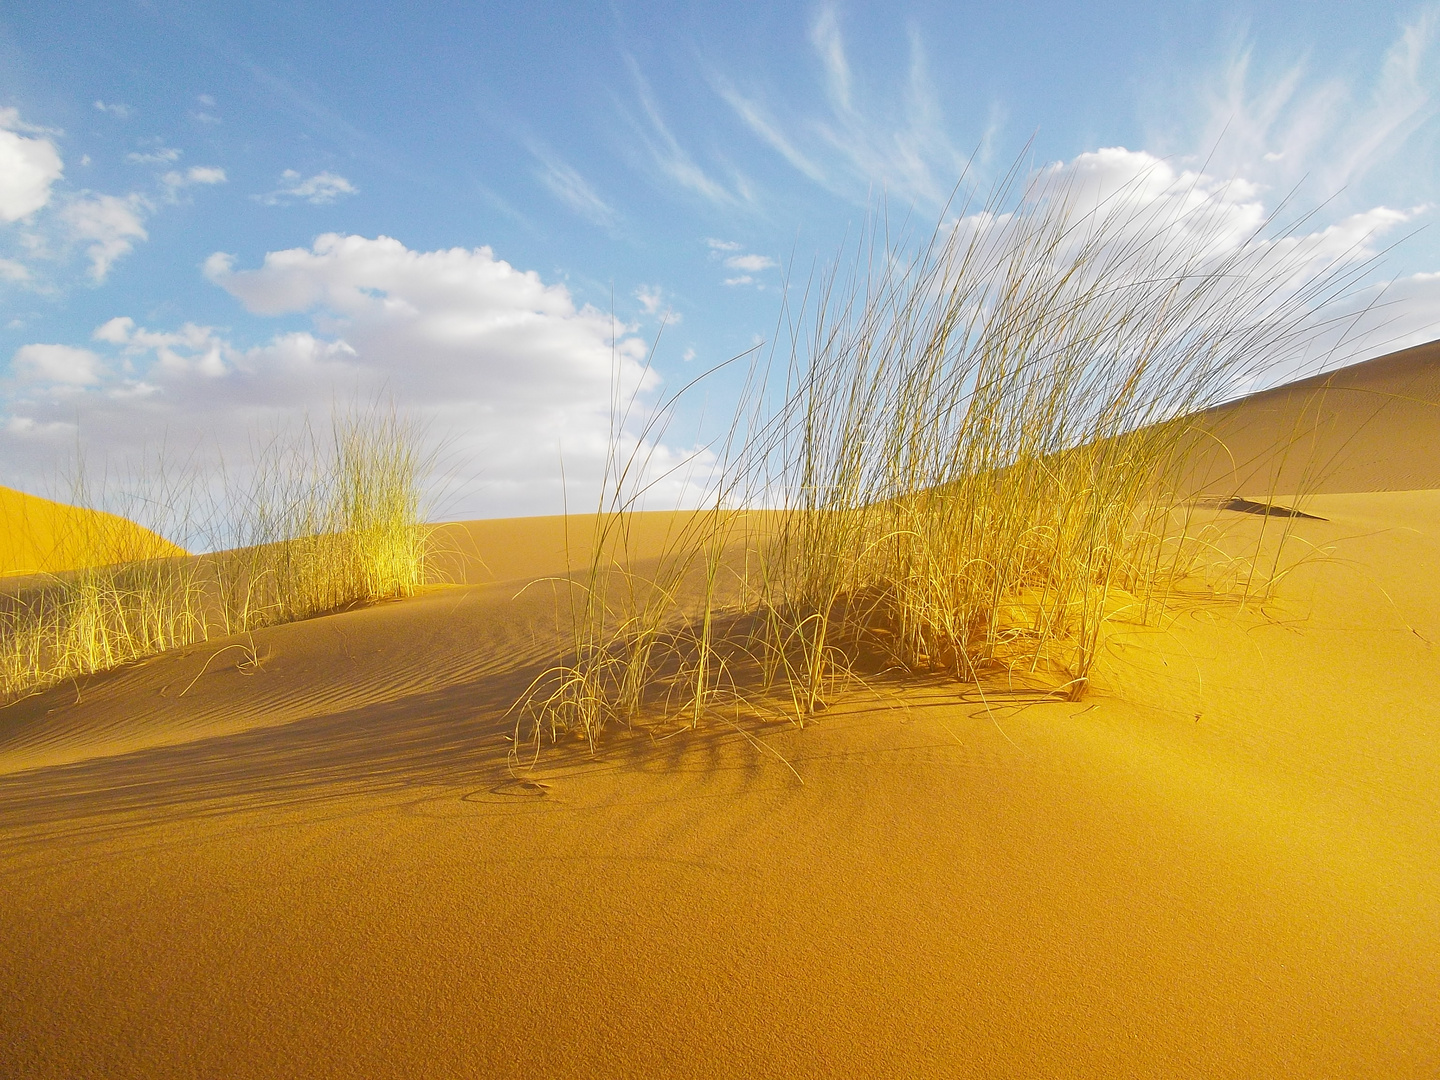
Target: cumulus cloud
1208,224
652,299
56,364
161,155
750,263
29,166
111,225
175,180
517,373
114,108
317,190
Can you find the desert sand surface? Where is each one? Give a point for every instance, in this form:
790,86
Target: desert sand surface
1224,862
43,536
1371,426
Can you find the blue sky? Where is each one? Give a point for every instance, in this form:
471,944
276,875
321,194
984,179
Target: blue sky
215,217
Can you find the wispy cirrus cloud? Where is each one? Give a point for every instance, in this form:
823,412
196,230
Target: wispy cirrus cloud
161,155
859,142
564,182
1287,124
675,164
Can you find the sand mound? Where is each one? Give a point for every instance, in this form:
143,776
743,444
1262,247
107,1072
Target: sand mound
1221,865
38,536
308,853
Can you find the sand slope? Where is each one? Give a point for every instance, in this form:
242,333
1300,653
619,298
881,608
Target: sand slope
1224,863
1372,426
349,882
40,536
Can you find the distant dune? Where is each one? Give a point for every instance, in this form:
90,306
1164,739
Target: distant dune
1372,426
41,536
311,852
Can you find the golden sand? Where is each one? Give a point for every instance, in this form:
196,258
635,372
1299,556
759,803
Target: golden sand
38,536
1223,862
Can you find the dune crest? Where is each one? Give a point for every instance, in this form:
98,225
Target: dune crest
39,536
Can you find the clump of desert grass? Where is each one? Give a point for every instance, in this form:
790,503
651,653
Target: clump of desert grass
317,525
977,462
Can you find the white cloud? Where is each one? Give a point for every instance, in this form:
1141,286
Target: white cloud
1209,225
162,155
652,299
723,245
56,364
28,168
750,263
110,223
743,279
318,190
10,121
517,373
14,272
117,331
567,185
115,109
1286,125
175,180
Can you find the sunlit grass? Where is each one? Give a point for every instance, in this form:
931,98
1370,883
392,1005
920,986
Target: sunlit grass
317,527
978,461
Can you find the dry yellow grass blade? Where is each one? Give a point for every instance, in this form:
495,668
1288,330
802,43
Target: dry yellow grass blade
318,527
975,465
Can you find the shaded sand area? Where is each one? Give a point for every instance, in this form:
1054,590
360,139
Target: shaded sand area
1224,862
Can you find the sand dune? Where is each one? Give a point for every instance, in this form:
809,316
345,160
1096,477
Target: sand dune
1224,862
1372,426
41,536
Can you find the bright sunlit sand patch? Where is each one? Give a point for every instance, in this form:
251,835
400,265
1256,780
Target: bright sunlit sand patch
38,536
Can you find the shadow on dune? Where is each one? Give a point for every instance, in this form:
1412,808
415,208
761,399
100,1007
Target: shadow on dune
455,737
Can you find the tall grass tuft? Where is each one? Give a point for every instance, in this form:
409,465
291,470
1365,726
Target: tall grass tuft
316,527
979,457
